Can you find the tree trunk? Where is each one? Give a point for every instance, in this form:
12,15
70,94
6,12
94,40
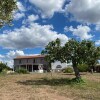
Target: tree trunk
50,68
77,74
92,69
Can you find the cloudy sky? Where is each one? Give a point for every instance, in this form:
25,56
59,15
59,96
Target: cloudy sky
37,22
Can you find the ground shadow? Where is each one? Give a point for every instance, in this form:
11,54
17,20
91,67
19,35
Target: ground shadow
83,73
45,81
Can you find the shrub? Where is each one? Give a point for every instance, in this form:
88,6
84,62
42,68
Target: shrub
83,67
22,71
68,70
3,67
77,80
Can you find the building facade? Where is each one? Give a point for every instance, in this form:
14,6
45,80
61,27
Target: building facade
36,63
31,63
57,66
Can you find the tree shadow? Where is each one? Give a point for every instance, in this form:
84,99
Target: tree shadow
82,73
46,81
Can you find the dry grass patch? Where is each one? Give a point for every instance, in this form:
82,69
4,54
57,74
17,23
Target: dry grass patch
45,87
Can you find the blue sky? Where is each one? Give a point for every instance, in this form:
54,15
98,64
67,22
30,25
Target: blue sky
37,22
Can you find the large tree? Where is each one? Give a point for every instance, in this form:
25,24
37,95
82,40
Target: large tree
72,52
80,52
76,52
6,11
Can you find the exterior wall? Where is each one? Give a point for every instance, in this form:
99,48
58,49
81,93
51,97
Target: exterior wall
57,66
29,63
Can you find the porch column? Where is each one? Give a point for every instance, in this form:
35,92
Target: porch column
26,66
32,67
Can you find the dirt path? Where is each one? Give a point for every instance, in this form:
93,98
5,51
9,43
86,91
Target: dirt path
10,89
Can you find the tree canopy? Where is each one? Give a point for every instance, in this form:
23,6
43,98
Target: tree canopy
76,52
6,10
92,53
52,51
3,66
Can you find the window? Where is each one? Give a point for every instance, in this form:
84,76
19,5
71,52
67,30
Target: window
27,60
41,60
58,66
34,60
20,61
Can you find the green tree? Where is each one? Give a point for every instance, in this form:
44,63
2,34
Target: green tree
92,53
3,66
52,51
84,52
71,52
6,10
68,53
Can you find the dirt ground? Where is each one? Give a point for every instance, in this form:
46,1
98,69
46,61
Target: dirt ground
10,89
31,87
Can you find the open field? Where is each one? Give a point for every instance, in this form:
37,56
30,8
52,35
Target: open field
45,87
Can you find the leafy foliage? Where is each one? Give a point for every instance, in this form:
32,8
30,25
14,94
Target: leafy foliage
77,80
72,53
83,67
92,52
6,10
52,51
3,67
22,71
68,70
76,52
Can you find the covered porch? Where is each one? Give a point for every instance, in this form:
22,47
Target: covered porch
32,68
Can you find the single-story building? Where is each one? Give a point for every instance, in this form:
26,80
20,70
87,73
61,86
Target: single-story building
57,66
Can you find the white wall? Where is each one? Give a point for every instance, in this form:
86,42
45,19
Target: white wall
55,64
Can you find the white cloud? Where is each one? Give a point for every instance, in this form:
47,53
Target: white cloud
13,54
33,35
33,18
20,12
86,11
81,32
18,16
97,42
30,19
48,7
8,58
20,6
66,29
97,28
1,56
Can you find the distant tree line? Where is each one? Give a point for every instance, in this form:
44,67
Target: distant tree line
4,66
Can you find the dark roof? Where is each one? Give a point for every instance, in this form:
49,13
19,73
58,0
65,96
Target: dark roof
28,57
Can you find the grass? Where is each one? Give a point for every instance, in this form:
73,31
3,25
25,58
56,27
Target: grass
44,87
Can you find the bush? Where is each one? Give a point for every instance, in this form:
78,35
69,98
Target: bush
77,80
68,70
83,67
3,67
22,71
